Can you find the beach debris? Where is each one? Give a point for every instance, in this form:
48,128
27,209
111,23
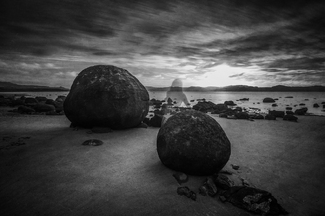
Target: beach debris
194,143
235,166
268,100
93,142
101,130
185,191
253,200
180,177
223,182
290,118
208,188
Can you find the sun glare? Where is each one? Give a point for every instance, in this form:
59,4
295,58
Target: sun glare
220,76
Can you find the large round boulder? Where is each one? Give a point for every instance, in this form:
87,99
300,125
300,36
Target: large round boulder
194,143
106,96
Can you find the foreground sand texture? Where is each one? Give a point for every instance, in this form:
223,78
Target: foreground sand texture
53,174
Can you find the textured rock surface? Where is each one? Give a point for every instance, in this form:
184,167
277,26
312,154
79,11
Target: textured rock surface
194,143
106,96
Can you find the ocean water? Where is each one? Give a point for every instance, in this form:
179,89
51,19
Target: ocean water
307,98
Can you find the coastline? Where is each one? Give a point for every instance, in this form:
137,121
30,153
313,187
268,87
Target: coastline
52,173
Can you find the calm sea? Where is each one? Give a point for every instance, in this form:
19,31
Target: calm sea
307,98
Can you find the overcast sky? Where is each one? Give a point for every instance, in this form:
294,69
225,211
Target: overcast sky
206,43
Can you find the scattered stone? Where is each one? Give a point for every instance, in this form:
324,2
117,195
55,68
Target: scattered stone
315,105
268,100
185,191
180,177
274,105
257,116
210,186
44,108
93,142
208,106
288,108
276,113
227,172
223,182
244,99
242,115
229,103
302,104
290,118
234,166
288,97
289,112
301,111
194,143
223,115
40,99
101,130
203,190
244,182
253,200
323,102
25,110
270,117
106,96
30,101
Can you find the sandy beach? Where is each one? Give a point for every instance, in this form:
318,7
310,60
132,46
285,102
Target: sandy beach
50,172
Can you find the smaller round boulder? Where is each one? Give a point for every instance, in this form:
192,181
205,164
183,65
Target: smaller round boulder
194,143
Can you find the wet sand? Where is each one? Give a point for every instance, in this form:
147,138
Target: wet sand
53,174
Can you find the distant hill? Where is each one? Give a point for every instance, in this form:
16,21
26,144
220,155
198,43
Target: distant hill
240,88
12,87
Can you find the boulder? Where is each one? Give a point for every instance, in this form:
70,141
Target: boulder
156,121
17,102
275,113
242,115
106,96
301,111
50,102
268,100
290,118
194,143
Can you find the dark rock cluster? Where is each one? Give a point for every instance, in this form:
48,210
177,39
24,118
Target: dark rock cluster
34,105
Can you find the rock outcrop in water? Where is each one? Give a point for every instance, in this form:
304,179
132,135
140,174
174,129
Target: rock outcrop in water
106,96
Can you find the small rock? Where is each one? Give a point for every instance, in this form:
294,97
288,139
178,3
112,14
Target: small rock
223,182
268,100
180,177
290,118
234,166
93,142
185,191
